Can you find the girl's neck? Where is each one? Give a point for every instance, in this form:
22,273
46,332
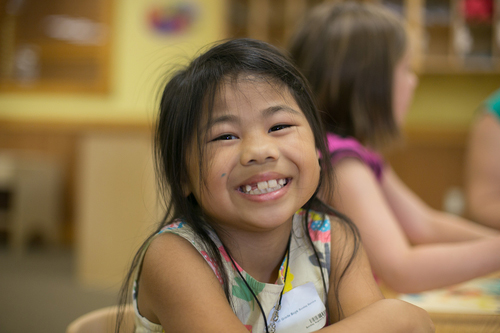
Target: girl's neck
260,254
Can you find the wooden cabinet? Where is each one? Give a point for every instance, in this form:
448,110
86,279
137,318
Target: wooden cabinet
452,36
54,46
447,36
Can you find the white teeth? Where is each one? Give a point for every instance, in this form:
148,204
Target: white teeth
264,187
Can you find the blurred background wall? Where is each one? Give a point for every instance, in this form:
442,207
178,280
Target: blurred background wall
78,83
78,86
136,50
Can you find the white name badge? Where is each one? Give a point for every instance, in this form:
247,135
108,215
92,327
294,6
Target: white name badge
301,311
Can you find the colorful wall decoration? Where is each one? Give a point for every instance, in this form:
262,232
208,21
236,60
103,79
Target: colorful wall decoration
173,18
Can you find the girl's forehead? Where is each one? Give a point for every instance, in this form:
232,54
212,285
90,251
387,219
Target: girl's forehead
245,81
237,97
248,88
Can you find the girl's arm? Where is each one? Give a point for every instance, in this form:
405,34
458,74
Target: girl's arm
364,309
422,224
385,316
483,171
403,267
179,290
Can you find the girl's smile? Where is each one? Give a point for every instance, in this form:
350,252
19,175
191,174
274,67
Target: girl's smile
264,184
265,187
260,141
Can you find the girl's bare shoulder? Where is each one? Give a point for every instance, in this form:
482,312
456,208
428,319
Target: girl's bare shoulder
175,285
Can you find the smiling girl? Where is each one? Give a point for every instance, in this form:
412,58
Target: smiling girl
245,245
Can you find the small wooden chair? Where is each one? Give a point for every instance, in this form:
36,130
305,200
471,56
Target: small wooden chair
102,321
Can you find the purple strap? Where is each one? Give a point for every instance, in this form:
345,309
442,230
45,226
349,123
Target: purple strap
348,147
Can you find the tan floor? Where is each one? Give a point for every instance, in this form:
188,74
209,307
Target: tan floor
38,292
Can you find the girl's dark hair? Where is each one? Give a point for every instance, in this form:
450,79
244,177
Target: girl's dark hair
187,100
348,52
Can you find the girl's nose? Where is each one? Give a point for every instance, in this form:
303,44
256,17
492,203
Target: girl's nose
259,150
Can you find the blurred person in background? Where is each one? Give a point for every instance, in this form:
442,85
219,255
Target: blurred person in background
357,60
483,164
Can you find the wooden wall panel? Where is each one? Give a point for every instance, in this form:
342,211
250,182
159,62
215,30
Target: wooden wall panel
51,142
430,162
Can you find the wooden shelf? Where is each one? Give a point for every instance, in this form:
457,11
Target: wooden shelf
433,27
60,46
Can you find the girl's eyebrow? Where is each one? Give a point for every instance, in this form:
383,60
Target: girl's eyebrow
268,112
278,108
227,118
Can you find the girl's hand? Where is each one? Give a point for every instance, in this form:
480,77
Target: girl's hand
408,317
364,308
386,316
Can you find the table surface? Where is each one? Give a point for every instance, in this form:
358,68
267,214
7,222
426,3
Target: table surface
465,323
458,322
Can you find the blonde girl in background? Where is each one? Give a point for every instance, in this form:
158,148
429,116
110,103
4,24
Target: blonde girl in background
245,245
357,61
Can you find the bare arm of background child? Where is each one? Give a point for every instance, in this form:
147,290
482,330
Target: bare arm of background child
403,266
421,223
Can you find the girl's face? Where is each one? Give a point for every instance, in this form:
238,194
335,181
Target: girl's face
260,162
404,84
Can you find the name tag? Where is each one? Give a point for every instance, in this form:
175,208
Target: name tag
301,311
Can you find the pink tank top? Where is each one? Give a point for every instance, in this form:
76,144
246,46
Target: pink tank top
340,147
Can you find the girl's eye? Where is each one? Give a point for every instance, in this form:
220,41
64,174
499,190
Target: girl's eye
224,137
279,127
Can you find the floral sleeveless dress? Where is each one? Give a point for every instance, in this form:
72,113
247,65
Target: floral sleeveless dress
304,292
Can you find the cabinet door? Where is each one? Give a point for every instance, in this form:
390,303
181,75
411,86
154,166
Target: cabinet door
452,36
446,36
54,46
272,21
460,36
476,35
